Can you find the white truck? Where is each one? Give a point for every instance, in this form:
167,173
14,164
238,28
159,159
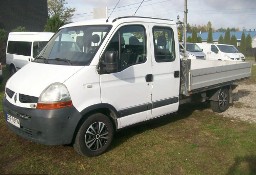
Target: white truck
81,90
223,52
23,47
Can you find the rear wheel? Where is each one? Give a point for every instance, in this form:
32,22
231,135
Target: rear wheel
222,104
94,136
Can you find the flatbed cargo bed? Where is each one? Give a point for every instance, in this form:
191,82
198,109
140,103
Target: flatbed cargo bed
206,74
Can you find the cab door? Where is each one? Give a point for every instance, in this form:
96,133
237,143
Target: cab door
165,70
128,89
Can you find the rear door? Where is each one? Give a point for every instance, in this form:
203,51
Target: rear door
128,90
165,70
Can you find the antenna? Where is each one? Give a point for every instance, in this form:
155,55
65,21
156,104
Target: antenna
113,10
138,7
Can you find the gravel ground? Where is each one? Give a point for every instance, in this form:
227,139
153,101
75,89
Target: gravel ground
244,106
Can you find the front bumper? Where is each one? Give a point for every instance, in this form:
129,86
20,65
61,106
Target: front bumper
49,127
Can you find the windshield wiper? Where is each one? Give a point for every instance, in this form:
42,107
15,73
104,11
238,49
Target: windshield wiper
63,59
44,60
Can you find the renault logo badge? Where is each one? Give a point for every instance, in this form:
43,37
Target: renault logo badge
15,98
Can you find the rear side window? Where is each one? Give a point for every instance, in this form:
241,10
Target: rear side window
164,44
19,48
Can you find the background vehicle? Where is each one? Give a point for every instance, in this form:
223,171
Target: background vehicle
91,80
221,52
23,47
194,51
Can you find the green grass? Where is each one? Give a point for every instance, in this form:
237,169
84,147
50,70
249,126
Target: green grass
194,141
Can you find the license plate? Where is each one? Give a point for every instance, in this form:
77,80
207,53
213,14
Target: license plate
14,121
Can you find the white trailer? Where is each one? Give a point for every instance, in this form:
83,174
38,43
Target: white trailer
80,92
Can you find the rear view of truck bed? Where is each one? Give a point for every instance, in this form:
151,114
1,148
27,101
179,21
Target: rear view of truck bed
203,74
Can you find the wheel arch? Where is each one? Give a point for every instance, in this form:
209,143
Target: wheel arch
213,95
103,108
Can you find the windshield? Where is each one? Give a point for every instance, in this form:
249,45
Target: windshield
73,45
193,47
227,49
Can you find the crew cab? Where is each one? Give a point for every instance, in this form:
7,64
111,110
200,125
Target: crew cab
96,77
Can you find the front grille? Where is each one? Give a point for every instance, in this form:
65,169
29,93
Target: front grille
200,57
28,131
27,99
9,92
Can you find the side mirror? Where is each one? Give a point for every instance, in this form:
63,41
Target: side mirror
202,50
110,62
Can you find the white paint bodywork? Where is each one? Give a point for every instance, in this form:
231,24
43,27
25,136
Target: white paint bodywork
220,55
122,90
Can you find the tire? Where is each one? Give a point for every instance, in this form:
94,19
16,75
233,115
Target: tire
12,70
222,104
94,136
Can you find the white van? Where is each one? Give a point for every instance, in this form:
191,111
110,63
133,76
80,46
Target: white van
221,52
23,47
193,51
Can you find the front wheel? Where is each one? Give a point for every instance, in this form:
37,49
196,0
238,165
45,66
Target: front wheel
222,103
94,136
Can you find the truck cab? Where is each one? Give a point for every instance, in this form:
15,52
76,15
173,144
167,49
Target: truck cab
93,78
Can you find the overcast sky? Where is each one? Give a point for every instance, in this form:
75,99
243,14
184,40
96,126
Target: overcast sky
222,13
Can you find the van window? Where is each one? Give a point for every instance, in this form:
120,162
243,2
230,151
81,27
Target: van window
38,46
19,48
74,45
164,44
130,42
227,49
214,49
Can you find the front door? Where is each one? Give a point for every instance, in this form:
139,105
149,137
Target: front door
128,89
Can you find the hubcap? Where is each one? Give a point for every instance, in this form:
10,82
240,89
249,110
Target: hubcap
223,99
96,136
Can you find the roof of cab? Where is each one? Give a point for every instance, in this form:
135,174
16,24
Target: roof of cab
112,21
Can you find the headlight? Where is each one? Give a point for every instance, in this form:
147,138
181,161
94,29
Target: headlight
54,96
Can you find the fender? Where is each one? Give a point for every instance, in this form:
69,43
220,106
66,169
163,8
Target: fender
99,107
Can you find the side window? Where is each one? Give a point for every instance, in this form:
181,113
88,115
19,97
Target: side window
130,43
37,47
214,49
19,48
164,44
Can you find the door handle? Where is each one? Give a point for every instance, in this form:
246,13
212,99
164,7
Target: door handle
176,74
149,78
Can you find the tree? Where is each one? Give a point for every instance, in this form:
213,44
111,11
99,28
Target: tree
189,29
227,36
20,29
194,35
248,42
189,39
233,41
221,40
3,35
199,39
58,8
210,38
243,44
209,26
53,24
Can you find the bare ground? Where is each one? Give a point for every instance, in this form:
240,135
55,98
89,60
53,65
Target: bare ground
244,106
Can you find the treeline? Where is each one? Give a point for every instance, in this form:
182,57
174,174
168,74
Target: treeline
245,44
